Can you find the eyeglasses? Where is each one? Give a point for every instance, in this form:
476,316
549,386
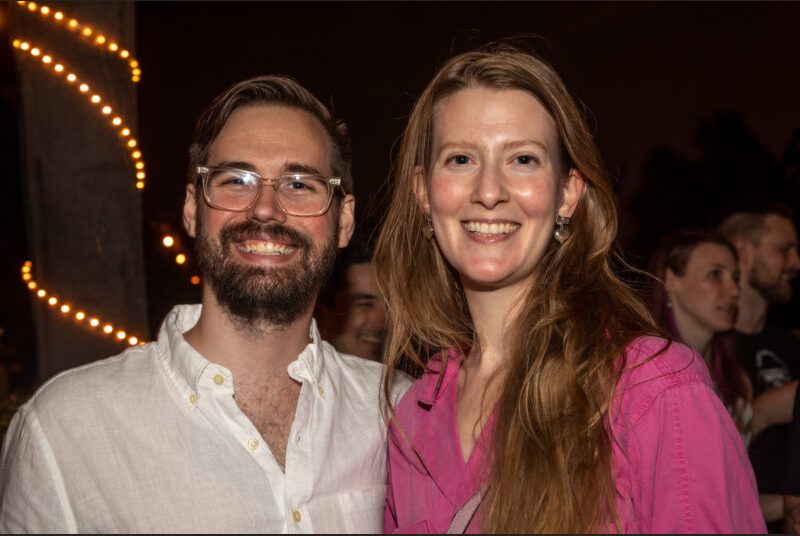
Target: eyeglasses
299,194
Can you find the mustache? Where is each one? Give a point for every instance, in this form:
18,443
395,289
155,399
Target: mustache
272,231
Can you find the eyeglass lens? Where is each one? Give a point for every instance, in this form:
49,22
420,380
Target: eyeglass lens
297,193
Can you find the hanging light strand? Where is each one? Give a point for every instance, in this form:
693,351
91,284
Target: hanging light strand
80,315
87,35
106,111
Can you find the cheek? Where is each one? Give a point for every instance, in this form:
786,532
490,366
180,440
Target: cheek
446,195
539,199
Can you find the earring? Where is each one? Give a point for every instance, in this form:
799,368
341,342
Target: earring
561,231
427,230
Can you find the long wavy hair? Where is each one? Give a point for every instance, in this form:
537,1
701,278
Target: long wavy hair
673,252
550,458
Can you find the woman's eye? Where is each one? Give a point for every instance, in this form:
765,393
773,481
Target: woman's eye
715,274
525,160
459,159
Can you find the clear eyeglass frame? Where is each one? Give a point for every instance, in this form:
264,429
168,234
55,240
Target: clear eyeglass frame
333,183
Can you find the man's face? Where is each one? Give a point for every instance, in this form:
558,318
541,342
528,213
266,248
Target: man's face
362,316
775,262
263,265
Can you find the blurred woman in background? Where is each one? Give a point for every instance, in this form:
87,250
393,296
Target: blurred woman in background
694,298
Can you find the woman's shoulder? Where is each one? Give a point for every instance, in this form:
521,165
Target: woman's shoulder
671,362
653,365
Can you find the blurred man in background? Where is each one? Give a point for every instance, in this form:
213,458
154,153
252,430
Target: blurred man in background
351,313
765,238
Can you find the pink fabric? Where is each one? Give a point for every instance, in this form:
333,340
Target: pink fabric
680,464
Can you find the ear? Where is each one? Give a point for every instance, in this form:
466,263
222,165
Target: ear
190,211
671,281
421,189
347,219
744,249
571,193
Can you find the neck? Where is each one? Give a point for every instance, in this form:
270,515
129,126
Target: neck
695,336
492,312
752,315
255,352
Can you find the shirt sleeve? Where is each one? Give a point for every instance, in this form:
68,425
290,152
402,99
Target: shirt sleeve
692,472
32,494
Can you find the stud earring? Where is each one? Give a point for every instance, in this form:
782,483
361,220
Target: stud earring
427,230
561,231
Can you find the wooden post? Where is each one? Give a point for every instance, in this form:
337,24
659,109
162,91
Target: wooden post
83,210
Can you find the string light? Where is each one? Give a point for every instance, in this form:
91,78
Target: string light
80,316
101,40
95,98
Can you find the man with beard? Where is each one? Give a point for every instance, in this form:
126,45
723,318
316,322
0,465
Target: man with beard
239,418
766,240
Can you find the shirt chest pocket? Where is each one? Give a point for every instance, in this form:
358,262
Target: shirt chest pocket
355,511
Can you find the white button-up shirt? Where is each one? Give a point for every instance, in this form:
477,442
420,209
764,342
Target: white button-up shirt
152,441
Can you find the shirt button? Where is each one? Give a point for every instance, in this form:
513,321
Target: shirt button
218,379
193,399
296,516
252,444
298,439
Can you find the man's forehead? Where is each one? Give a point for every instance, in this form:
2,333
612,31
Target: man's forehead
779,228
361,278
289,134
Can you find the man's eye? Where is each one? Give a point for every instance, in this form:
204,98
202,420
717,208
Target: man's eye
233,180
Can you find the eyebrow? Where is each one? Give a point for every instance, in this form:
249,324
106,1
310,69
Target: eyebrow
289,167
363,296
508,145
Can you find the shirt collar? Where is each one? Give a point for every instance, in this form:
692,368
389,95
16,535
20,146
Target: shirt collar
432,389
185,365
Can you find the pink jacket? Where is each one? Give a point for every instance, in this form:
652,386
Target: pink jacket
680,465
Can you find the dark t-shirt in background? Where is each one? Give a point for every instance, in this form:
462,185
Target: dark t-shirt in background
771,359
791,482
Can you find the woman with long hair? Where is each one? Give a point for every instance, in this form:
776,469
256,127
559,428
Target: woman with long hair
694,298
545,402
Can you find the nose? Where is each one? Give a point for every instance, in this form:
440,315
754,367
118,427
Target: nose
266,207
490,189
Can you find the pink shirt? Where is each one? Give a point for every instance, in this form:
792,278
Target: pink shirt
679,463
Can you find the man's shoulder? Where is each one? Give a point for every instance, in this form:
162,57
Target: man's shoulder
363,374
86,386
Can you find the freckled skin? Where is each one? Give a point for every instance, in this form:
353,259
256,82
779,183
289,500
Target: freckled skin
494,160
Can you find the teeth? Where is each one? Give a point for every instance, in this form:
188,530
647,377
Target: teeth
491,228
266,248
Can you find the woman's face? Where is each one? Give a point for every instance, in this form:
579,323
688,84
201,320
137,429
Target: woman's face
705,297
495,184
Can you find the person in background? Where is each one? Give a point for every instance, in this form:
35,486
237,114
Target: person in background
350,311
694,298
545,402
239,418
765,239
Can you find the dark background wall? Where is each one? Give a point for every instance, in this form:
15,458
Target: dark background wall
693,104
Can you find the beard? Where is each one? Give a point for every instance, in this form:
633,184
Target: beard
772,289
254,297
